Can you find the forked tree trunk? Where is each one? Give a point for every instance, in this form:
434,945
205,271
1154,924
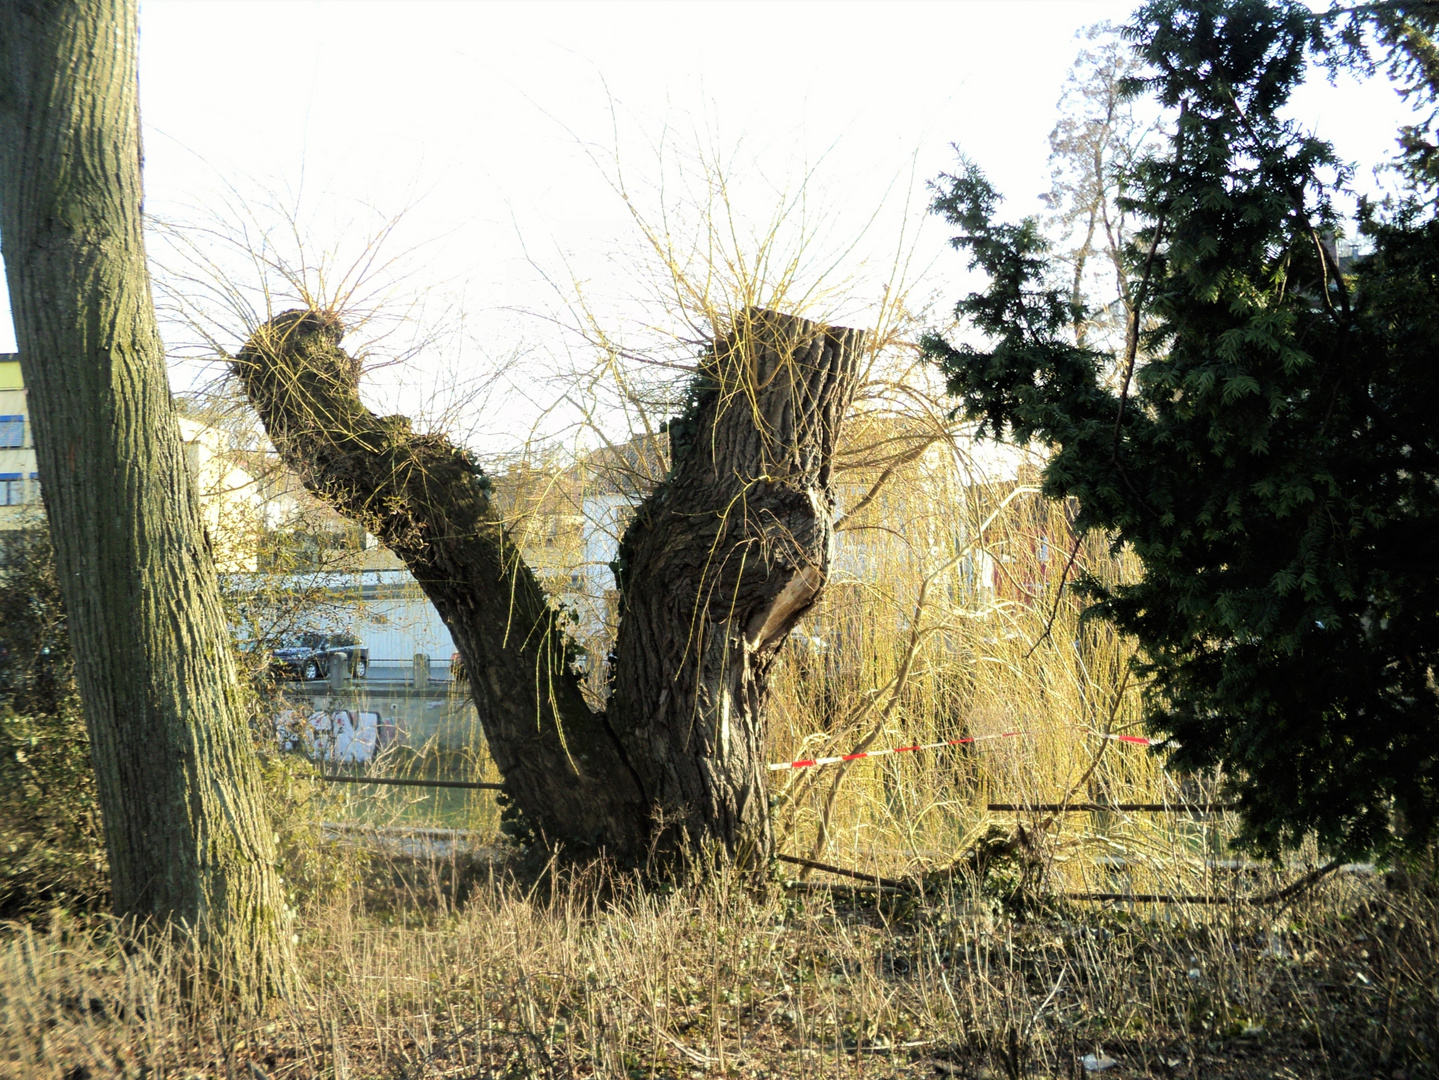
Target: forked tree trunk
719,564
185,824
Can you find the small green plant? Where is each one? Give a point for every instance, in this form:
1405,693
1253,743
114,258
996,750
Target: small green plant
52,851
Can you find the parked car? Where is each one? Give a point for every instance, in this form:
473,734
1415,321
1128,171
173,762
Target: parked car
311,653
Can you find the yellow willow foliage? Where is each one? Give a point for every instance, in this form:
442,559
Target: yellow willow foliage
949,614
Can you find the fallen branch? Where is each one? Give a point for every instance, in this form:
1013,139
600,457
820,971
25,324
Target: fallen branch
883,882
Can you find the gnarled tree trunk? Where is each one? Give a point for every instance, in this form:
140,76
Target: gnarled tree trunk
719,564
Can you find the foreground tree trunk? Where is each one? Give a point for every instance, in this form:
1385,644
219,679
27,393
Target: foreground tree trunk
719,564
185,827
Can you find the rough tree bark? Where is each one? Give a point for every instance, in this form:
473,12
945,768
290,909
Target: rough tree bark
185,827
719,564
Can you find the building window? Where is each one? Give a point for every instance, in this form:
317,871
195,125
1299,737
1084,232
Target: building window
12,432
12,489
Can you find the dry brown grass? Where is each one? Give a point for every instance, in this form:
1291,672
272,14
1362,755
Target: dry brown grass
587,974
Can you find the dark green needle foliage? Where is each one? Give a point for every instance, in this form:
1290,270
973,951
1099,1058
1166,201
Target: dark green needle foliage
1266,441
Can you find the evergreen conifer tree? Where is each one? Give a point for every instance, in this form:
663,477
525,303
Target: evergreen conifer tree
1266,438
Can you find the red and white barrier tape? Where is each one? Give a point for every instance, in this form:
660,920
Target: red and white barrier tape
892,750
1137,740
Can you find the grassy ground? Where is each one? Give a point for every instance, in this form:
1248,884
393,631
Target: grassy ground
583,974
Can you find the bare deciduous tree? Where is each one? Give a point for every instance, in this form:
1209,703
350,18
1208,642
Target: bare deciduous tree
185,827
717,567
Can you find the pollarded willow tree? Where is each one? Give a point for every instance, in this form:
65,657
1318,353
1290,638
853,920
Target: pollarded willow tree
718,565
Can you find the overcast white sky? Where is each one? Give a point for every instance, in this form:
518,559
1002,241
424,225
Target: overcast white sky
497,128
